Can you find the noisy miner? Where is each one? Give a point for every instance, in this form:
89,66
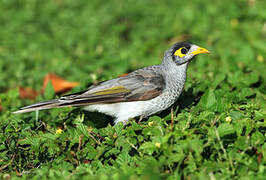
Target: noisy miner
141,93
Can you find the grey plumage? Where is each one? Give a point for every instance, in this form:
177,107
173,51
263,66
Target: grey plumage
141,93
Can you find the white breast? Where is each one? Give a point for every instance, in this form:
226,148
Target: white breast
126,110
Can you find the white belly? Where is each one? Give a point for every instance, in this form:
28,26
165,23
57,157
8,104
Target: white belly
121,111
126,110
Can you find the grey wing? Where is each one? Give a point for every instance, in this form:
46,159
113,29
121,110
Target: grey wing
140,85
144,84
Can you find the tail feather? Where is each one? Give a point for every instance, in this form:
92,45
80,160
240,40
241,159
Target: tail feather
72,100
39,106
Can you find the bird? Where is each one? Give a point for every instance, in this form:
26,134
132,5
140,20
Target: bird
141,93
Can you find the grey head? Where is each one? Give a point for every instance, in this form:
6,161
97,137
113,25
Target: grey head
183,52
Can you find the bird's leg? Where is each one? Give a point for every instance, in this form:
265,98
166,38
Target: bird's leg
172,118
140,119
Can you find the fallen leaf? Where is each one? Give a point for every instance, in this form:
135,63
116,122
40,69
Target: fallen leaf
260,155
1,107
27,93
60,85
86,161
122,75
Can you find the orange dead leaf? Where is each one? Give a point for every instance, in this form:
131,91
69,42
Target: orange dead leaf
259,156
27,93
1,107
86,161
60,85
122,75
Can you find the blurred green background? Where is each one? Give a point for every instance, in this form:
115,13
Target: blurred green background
91,41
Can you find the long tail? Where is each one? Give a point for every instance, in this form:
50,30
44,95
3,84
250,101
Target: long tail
77,99
70,101
39,106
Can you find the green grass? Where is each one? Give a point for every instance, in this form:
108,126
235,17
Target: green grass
219,127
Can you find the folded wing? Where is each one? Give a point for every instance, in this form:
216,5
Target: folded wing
140,85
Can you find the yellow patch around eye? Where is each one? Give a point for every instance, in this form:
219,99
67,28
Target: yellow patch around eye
179,53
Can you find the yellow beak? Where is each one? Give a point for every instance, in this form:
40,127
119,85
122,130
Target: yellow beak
200,50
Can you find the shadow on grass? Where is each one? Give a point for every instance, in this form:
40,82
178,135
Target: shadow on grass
93,119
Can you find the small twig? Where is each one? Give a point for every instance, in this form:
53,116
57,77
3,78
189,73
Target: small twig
223,149
172,118
102,138
80,141
98,142
132,145
3,167
214,121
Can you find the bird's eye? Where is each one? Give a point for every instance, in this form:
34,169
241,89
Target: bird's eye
181,52
184,50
